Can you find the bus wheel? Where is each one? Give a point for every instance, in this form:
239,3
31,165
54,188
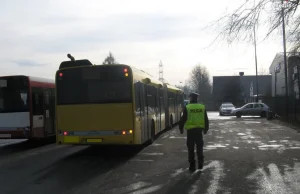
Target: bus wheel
152,132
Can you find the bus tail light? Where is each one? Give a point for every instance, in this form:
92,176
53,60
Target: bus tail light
60,74
126,74
127,132
65,133
125,70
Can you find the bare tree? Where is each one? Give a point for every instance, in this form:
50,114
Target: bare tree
200,82
109,60
185,88
239,25
262,71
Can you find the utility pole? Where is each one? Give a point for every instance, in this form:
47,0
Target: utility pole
255,54
254,34
285,60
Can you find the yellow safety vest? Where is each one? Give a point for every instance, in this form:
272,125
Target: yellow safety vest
195,116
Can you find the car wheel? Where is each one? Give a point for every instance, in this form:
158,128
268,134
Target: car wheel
238,115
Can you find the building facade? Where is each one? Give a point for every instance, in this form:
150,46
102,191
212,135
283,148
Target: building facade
240,89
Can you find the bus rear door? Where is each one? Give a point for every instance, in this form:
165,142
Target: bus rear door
48,112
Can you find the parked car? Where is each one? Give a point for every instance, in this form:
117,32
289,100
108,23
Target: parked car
226,108
251,109
186,102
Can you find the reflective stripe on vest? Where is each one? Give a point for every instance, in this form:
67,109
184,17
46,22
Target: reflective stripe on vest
195,116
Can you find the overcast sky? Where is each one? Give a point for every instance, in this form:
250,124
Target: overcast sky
36,36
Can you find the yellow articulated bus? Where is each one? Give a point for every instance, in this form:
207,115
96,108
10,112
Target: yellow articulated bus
112,104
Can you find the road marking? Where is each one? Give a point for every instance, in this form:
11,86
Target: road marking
276,182
177,172
273,141
270,146
156,144
152,154
214,184
216,146
165,136
128,188
217,175
148,190
173,137
139,160
284,141
294,148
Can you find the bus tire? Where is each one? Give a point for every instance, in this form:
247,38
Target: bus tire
152,132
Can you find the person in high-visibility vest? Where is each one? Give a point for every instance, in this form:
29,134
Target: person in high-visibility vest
195,121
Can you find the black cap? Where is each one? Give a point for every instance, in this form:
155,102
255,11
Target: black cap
193,94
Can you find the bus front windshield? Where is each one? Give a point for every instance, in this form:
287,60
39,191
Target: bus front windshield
93,85
13,94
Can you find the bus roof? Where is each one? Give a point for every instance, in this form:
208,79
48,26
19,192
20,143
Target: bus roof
139,75
32,78
173,89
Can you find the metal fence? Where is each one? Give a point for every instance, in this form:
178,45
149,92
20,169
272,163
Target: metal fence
278,107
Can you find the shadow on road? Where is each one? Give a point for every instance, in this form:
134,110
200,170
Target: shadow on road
185,184
6,150
79,168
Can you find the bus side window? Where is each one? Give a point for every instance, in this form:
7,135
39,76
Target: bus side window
161,96
137,98
37,101
47,97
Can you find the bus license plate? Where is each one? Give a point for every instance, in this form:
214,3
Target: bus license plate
94,140
71,139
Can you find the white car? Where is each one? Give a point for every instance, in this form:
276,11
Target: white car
226,109
251,109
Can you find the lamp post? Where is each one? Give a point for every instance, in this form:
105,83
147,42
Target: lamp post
285,60
255,54
255,58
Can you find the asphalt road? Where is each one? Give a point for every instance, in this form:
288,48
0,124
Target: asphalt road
247,155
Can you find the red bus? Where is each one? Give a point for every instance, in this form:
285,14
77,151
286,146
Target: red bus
27,107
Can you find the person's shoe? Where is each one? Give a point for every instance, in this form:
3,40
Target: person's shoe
192,167
200,165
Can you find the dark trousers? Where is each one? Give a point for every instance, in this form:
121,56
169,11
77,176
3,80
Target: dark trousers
194,136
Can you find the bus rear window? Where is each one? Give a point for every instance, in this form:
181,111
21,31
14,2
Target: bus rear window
87,85
14,94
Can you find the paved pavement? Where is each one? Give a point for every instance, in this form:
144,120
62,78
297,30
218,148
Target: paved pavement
247,155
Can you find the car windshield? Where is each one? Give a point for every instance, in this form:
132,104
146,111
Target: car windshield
227,106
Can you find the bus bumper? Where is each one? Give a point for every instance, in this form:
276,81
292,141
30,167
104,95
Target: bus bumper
24,134
98,140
